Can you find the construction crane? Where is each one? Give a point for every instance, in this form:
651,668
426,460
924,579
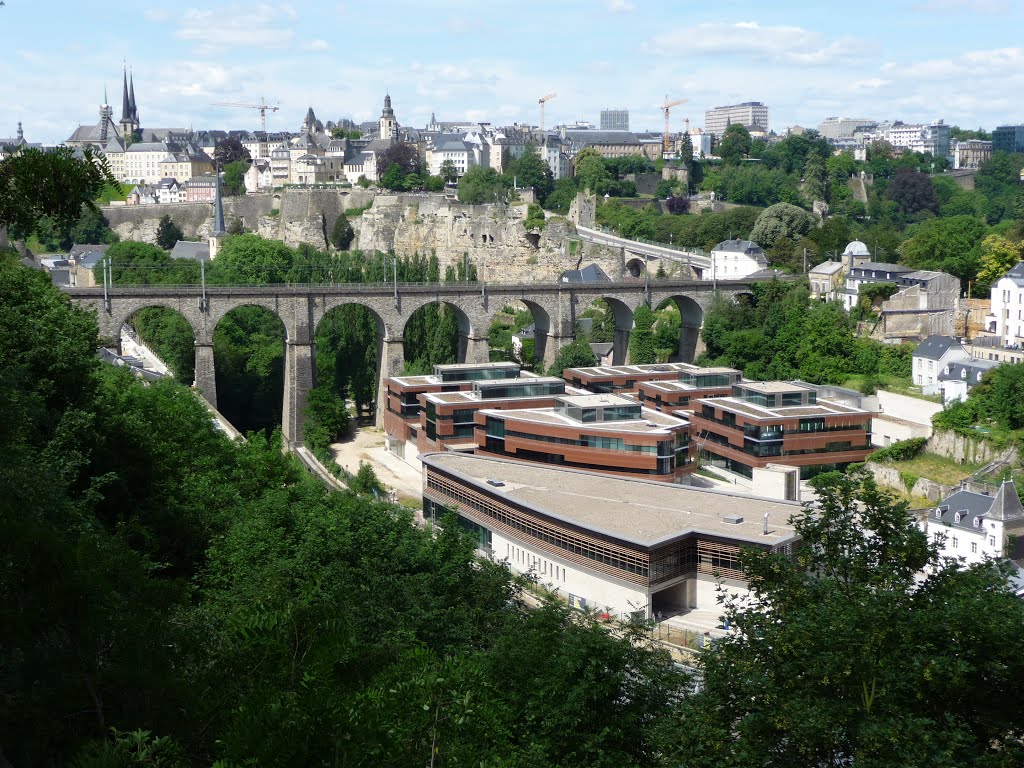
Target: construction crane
542,101
262,107
665,109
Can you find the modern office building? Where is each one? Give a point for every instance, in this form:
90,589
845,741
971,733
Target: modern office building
748,113
845,127
402,406
614,119
625,379
604,433
683,393
1008,138
610,544
448,419
778,422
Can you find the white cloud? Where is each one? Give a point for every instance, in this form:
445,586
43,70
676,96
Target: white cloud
869,84
155,14
619,6
782,44
317,45
260,26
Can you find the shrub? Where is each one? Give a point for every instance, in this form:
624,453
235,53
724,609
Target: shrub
900,450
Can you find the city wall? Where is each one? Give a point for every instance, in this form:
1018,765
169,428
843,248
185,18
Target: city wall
492,237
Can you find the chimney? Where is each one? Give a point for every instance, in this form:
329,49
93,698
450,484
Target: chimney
765,523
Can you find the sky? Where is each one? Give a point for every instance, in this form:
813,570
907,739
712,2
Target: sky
912,60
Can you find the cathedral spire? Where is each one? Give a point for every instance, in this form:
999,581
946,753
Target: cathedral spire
126,113
131,101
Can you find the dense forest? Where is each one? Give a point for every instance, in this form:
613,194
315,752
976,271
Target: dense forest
171,598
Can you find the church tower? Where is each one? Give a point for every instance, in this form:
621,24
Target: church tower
388,124
129,114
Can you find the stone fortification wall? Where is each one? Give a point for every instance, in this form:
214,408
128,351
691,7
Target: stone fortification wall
301,218
961,448
493,237
918,487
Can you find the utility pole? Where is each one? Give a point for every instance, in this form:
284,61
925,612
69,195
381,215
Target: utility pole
396,281
202,279
106,296
805,261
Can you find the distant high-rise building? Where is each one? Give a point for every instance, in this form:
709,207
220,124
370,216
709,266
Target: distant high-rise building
844,127
1008,138
614,119
748,113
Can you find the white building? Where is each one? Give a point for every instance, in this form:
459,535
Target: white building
735,259
843,127
259,176
933,139
978,521
748,113
1006,319
616,545
169,191
930,359
958,378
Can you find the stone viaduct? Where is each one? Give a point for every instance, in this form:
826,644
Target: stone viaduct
555,307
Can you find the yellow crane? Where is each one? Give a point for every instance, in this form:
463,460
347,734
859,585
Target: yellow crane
542,101
665,110
262,107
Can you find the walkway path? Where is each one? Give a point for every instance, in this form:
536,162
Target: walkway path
654,250
367,445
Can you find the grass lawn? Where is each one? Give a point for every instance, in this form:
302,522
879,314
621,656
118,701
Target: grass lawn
110,193
895,384
938,468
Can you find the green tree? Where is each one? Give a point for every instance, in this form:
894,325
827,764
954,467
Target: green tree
449,172
393,178
530,170
251,260
950,245
401,154
998,255
735,144
92,228
168,233
562,196
863,648
234,178
641,339
782,220
576,354
54,184
342,233
591,172
482,185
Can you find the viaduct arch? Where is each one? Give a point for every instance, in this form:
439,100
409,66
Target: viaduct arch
555,307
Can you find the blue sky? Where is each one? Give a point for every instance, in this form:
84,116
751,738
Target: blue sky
961,60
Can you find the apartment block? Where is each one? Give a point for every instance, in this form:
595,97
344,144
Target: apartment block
683,393
603,433
748,113
448,419
402,403
777,422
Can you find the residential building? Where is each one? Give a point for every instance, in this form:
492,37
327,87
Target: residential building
702,143
865,272
402,397
1006,319
827,280
927,303
200,189
992,348
748,113
1008,138
958,378
932,139
614,120
142,161
777,422
931,357
448,419
183,165
603,433
844,127
453,148
970,154
280,167
605,143
625,379
259,177
679,397
735,259
627,547
168,191
978,521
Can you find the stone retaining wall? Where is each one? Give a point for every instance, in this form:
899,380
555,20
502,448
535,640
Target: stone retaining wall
968,449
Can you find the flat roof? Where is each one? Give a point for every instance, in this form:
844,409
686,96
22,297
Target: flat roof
642,512
673,386
774,387
821,408
473,366
627,370
591,401
650,421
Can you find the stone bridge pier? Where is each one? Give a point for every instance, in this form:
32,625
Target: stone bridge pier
555,307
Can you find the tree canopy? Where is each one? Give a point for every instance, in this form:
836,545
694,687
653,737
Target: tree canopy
845,654
231,150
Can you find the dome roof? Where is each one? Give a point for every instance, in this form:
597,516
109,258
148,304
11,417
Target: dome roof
856,248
